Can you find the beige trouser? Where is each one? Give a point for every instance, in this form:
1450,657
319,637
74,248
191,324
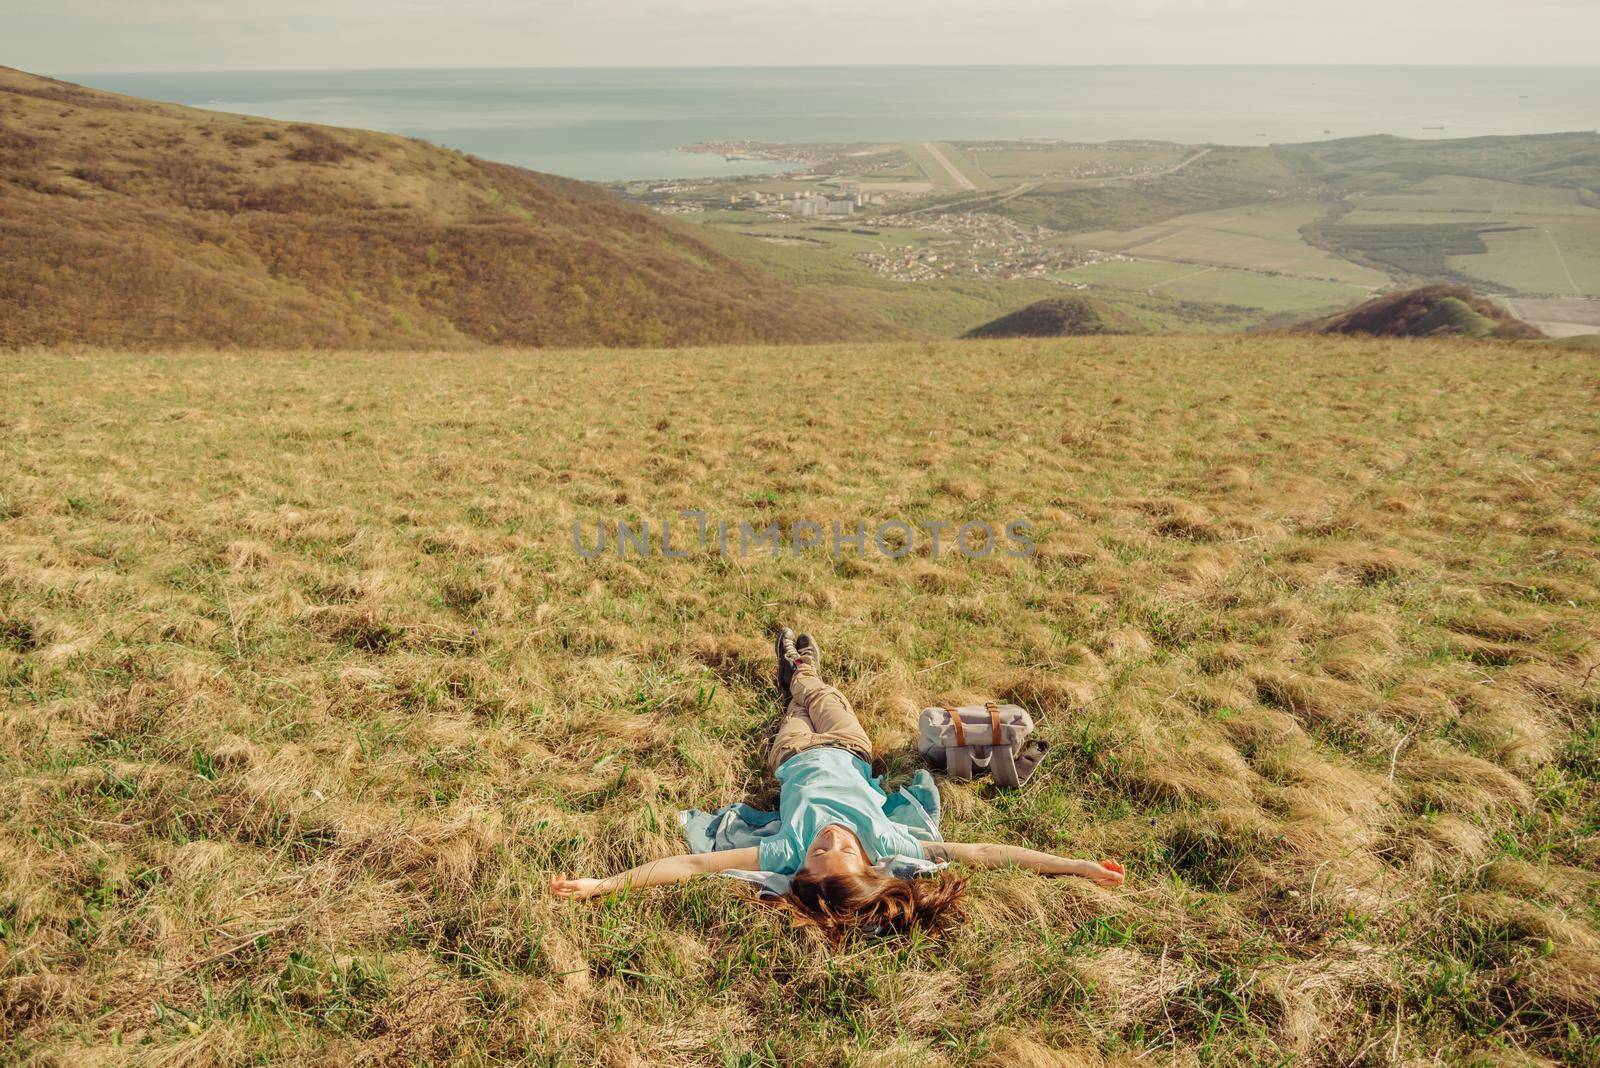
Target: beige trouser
817,715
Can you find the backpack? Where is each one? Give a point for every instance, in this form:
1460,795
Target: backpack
974,739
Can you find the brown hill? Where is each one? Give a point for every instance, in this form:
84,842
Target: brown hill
1428,311
134,223
1059,317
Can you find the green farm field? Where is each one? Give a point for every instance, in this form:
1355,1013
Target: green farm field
1548,256
1537,240
848,235
1545,255
1271,293
1261,237
1023,164
1459,193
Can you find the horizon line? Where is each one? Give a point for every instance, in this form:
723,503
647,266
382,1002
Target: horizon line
838,66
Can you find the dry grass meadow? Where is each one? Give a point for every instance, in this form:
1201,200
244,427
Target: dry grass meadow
304,693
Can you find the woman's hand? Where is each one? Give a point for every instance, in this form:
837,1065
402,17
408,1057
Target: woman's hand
1107,873
577,889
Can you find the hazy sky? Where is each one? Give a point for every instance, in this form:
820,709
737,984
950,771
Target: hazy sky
58,36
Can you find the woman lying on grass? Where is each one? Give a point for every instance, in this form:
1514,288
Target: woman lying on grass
834,828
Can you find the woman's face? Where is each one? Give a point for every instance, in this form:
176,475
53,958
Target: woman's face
836,851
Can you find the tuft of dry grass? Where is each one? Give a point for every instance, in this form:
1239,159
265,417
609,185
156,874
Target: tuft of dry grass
304,691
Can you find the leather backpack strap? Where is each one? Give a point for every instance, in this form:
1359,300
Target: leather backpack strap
994,723
961,728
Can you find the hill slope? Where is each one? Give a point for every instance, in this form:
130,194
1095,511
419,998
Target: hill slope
302,701
1556,159
1223,177
1059,317
1427,311
129,222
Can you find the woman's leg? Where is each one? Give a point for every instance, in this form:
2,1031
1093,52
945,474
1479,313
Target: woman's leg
818,714
794,735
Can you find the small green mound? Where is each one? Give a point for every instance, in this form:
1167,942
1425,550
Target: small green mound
1429,311
1453,316
1580,341
1059,317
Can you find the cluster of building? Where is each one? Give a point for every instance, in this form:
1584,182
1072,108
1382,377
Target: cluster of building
806,202
983,227
904,264
908,264
813,205
983,246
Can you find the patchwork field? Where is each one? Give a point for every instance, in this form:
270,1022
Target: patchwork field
1544,256
1536,240
1258,237
305,692
1270,293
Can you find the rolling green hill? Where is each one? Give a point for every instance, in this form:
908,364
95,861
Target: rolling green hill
1059,317
1223,177
133,223
1428,311
1559,159
1580,341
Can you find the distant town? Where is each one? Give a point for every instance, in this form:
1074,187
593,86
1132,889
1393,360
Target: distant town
986,246
909,223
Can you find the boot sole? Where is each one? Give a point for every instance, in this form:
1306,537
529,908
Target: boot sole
785,669
816,650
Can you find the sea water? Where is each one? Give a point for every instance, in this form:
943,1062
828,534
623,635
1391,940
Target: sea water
616,123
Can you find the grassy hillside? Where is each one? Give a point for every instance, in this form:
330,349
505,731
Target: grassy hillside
304,692
1428,311
1224,177
133,223
1230,176
1569,160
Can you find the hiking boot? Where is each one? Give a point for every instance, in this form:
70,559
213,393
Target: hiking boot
784,647
809,652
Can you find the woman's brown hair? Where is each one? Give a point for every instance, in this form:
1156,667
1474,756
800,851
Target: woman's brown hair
871,903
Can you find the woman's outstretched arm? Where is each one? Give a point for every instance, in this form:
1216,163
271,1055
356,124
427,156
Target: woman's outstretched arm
656,873
994,855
